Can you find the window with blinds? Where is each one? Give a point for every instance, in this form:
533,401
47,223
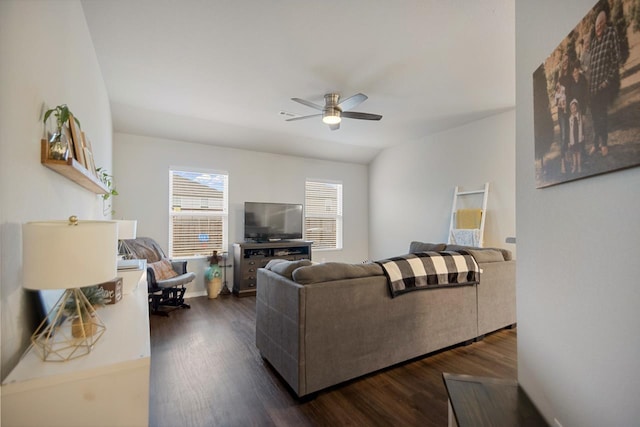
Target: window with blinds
198,213
323,214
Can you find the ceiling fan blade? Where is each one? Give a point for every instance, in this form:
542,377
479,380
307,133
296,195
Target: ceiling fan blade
361,116
352,101
308,103
334,127
302,117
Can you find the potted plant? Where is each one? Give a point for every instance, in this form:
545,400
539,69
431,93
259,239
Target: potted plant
81,317
58,144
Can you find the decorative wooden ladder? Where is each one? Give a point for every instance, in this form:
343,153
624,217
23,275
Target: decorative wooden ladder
457,193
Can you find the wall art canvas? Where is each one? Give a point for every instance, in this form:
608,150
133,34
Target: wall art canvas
586,97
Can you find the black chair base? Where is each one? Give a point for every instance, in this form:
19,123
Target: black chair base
169,297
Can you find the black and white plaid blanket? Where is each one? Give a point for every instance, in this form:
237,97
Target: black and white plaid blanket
426,270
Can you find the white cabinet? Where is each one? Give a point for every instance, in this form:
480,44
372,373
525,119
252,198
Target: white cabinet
107,387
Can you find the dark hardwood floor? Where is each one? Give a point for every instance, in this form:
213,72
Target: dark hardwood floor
206,371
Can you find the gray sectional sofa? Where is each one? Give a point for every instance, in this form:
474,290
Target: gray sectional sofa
322,324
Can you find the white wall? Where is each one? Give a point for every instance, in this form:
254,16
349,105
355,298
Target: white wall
577,277
412,185
142,179
46,57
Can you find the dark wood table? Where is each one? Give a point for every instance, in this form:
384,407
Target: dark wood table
479,401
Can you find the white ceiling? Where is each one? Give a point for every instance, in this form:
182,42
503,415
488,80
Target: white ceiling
220,72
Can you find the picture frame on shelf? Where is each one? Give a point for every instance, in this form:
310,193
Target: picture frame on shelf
87,142
88,154
77,141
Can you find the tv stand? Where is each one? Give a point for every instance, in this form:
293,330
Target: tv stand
271,241
250,256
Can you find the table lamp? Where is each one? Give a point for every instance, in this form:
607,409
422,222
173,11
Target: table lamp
126,230
68,255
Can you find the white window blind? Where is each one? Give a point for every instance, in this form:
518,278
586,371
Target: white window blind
198,211
323,214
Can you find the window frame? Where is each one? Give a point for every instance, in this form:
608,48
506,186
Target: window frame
223,215
338,216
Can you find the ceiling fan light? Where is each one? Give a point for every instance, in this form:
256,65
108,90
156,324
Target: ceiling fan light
331,116
331,120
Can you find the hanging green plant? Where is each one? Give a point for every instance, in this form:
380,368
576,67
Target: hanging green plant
107,179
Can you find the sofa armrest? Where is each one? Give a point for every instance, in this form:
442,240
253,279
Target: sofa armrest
179,280
496,296
280,315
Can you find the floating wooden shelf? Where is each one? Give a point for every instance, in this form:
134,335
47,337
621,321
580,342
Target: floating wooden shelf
72,170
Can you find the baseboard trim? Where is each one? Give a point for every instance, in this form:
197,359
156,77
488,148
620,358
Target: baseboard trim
202,293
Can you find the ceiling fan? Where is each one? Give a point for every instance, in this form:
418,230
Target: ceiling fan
334,109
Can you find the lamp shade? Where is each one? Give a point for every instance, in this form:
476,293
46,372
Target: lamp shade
62,255
127,229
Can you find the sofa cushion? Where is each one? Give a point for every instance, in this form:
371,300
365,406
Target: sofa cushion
284,267
163,269
506,253
487,255
329,271
415,247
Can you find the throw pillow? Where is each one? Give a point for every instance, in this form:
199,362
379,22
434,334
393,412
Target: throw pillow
163,269
273,262
416,247
286,268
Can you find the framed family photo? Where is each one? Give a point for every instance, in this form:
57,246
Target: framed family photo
586,97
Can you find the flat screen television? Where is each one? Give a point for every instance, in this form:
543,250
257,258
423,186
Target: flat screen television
265,222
